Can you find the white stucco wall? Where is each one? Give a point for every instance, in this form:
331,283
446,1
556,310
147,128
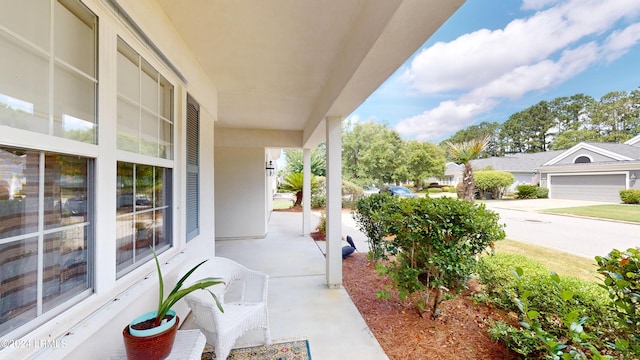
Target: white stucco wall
240,192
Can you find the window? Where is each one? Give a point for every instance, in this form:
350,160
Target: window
144,183
145,106
48,83
582,160
193,168
46,204
143,213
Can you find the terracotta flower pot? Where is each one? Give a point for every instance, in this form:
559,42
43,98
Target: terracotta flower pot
154,347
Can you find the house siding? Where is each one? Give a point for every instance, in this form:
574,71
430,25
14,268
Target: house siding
594,156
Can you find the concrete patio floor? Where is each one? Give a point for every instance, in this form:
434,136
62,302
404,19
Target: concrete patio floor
300,304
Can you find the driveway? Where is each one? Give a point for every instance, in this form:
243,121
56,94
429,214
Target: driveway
581,236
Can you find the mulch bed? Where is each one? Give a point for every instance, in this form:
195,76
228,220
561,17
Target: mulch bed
460,332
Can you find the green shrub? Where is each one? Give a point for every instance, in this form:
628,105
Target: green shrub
542,193
543,292
434,190
621,271
494,182
630,196
318,201
434,243
452,189
526,191
369,218
351,190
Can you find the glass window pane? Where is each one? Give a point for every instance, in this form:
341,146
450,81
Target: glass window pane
66,179
166,136
166,99
27,18
75,36
19,189
149,134
148,223
24,87
125,188
149,84
162,187
128,72
128,124
144,186
75,106
162,227
144,234
18,283
124,242
65,266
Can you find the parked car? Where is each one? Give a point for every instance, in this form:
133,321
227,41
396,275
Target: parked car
368,190
400,191
76,205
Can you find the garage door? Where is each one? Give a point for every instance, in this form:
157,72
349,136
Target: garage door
587,187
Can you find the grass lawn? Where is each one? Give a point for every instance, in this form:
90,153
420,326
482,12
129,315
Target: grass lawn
613,212
279,204
562,263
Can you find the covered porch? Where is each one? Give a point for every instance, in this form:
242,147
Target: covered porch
300,306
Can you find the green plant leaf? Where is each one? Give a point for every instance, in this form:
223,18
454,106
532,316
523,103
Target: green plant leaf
533,314
567,295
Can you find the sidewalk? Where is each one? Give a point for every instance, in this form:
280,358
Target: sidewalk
300,304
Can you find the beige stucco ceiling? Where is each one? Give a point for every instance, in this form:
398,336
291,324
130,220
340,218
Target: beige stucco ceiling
286,64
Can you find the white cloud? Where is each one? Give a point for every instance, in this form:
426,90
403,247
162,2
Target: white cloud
530,54
438,122
536,4
619,42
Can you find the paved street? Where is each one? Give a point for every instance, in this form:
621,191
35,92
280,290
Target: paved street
524,222
580,236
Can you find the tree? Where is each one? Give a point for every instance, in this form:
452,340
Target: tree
528,130
494,182
569,138
372,151
569,113
295,160
294,183
484,129
464,153
615,116
424,160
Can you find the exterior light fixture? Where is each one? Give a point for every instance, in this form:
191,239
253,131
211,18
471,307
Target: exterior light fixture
633,176
270,169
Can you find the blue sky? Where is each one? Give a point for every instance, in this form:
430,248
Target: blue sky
493,58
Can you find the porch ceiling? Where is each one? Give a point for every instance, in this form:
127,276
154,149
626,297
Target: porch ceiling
286,64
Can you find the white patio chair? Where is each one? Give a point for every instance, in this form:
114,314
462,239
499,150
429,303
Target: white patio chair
243,298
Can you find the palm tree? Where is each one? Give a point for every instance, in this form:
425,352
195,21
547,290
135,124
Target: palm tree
463,153
294,183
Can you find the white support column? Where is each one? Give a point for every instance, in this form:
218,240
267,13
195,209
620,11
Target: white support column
334,201
306,192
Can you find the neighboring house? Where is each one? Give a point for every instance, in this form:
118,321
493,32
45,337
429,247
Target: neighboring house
452,175
593,171
587,171
522,166
153,122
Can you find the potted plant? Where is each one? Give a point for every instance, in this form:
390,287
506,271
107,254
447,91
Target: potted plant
151,335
